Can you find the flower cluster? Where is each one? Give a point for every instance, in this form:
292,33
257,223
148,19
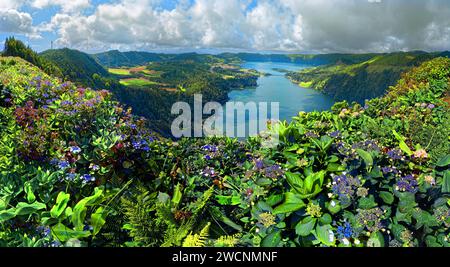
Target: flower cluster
345,231
407,184
371,219
345,187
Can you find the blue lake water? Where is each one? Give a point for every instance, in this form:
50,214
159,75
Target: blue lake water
277,88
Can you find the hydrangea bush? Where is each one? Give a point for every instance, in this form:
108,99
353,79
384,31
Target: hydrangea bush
77,169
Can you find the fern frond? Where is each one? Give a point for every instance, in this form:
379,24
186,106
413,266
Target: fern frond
197,240
228,241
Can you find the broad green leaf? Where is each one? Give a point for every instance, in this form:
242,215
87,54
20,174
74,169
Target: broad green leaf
446,182
98,219
305,226
272,240
445,161
387,197
275,199
177,195
367,203
23,208
326,219
79,211
61,204
291,203
64,233
325,235
367,158
7,214
294,181
376,240
334,206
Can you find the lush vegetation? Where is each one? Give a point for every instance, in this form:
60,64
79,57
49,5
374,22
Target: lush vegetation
79,68
362,80
152,89
77,169
15,48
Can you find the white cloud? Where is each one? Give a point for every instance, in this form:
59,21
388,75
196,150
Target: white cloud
13,21
293,25
67,6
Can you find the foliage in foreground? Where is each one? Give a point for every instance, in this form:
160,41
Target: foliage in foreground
76,169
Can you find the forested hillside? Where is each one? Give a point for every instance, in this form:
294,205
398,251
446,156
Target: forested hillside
77,169
16,48
361,81
78,67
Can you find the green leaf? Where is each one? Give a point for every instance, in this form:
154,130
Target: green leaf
79,211
367,203
7,215
305,226
228,200
98,219
64,233
334,206
291,203
376,240
367,158
294,181
326,219
444,162
23,208
325,235
29,191
446,182
387,197
275,199
177,195
403,146
272,240
61,204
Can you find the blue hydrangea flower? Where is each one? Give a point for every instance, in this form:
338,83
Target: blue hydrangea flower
259,164
63,164
45,231
395,154
94,167
335,134
387,170
70,176
345,231
87,178
75,150
273,171
210,148
345,186
407,184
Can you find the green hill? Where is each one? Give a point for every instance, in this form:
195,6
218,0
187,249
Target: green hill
16,48
77,66
114,58
361,81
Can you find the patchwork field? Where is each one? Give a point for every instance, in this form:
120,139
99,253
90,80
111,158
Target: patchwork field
137,82
120,71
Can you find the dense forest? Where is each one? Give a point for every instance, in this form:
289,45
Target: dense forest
361,81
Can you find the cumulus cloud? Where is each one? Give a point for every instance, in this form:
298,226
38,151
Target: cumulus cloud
13,21
67,6
284,25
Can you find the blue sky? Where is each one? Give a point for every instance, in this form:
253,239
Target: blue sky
287,26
